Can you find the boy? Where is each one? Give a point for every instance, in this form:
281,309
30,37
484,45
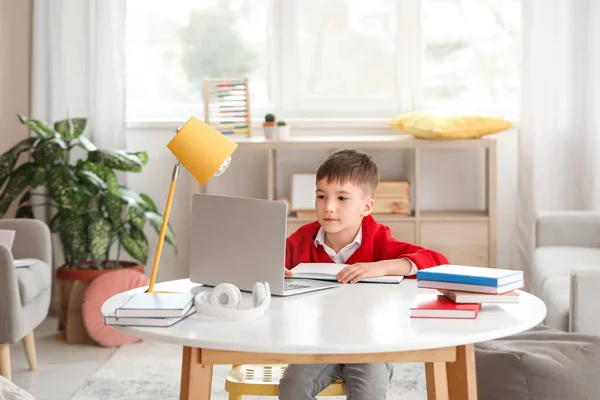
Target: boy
345,232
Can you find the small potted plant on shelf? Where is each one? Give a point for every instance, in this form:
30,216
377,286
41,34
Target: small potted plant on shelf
91,212
283,130
269,126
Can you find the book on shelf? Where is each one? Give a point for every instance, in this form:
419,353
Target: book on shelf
439,306
470,275
146,321
470,297
462,287
156,305
329,271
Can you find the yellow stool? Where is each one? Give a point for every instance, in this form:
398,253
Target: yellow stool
263,380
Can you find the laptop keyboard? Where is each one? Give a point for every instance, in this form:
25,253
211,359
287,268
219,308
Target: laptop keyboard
292,286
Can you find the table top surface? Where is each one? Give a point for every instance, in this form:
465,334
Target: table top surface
348,319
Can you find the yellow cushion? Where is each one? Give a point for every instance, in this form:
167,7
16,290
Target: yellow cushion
426,125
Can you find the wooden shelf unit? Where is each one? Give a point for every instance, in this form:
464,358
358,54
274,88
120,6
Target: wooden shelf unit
465,237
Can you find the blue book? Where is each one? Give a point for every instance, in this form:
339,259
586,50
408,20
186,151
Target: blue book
470,275
156,305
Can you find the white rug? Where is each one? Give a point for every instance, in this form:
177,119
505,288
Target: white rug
150,370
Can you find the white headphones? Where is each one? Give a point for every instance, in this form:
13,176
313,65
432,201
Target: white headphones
223,300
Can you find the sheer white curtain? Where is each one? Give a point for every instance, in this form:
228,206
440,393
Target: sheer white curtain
559,143
79,65
78,70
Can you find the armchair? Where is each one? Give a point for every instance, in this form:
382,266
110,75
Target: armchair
565,270
24,292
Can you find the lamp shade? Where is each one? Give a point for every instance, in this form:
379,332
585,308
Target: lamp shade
201,149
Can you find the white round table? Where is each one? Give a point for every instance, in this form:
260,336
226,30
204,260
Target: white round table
346,324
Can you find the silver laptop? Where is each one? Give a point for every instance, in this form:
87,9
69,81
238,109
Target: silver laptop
242,241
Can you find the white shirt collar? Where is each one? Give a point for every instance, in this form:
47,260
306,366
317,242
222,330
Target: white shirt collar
344,254
320,238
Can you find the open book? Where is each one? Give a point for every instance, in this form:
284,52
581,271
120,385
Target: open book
328,272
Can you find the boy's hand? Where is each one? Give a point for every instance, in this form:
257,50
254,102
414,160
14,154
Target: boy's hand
355,272
287,272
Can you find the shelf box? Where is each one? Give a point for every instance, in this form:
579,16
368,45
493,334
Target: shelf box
392,205
462,242
403,230
392,197
393,189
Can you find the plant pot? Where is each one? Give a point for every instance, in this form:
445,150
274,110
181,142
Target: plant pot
270,130
283,132
71,286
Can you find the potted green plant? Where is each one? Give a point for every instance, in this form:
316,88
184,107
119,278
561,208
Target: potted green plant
269,126
283,130
92,212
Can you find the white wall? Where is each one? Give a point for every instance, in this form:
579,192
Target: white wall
15,38
450,180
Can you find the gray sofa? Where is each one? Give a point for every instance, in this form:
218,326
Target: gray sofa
24,292
565,271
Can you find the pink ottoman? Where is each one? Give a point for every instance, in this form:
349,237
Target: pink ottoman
101,289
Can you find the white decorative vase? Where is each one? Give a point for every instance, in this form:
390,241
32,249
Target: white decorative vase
270,132
283,132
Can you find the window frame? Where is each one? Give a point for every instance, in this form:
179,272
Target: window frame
315,111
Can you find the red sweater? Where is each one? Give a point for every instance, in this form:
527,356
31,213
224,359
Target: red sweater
377,244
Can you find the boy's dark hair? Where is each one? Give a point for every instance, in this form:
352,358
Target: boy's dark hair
352,166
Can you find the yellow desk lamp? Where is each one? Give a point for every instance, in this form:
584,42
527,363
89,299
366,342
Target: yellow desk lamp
204,152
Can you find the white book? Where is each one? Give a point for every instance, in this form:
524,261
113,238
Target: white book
156,305
150,322
462,287
329,271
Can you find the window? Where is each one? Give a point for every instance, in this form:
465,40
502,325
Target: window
324,59
338,43
171,47
341,57
471,55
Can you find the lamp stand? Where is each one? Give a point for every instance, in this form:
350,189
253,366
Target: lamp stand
163,228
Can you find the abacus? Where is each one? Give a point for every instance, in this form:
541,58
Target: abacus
227,105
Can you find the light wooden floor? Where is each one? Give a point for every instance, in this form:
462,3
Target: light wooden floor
62,367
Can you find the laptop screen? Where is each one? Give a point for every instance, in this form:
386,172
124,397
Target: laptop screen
237,240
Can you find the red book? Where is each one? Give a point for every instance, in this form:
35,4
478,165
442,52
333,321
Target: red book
439,306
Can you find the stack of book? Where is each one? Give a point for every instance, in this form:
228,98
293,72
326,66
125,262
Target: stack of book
153,309
462,289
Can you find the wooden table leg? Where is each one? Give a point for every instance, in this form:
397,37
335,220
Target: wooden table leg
196,378
462,381
437,381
